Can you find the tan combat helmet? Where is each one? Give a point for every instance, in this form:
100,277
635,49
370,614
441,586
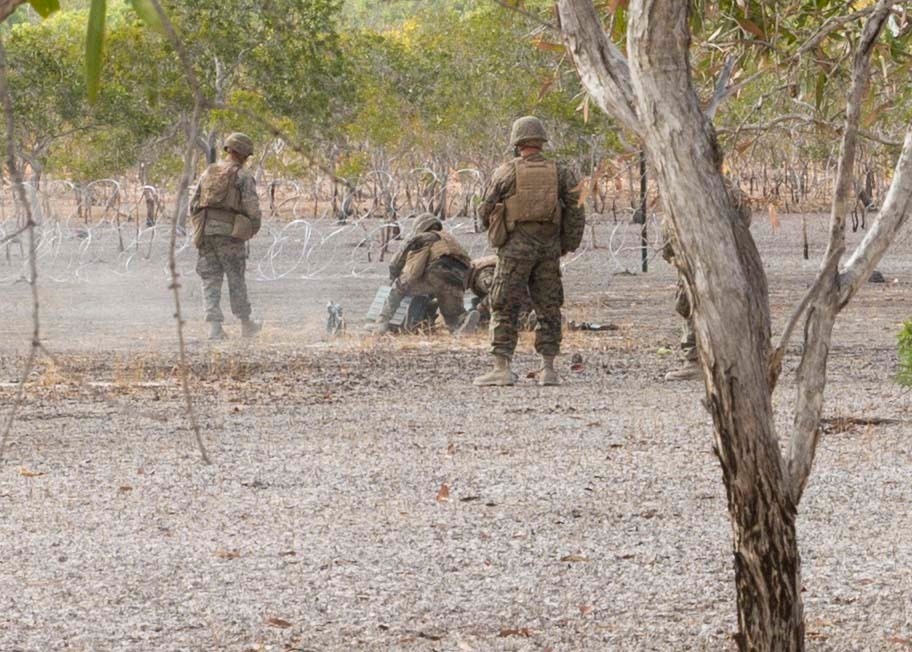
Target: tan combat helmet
240,143
427,222
527,129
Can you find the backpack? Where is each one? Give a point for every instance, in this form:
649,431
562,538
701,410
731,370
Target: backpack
218,188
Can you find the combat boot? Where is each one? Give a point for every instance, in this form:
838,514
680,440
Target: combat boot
216,332
500,375
469,324
250,328
690,370
548,374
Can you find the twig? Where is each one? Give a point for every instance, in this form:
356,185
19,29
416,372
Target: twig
198,104
720,92
16,176
831,266
512,6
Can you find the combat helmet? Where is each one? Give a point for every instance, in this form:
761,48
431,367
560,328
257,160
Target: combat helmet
427,222
240,143
527,128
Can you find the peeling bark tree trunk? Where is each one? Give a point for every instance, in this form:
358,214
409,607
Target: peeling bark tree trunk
732,323
654,97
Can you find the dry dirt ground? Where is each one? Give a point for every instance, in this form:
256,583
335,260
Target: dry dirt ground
364,495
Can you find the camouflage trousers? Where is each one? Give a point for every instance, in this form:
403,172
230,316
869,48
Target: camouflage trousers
446,283
688,342
540,277
221,256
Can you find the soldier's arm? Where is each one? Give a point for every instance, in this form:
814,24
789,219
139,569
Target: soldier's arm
250,201
495,191
573,215
195,200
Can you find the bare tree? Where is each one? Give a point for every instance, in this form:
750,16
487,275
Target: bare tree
652,94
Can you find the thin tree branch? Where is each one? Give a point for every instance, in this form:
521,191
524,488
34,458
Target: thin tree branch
829,26
602,68
890,219
830,268
512,6
824,307
18,184
199,103
720,92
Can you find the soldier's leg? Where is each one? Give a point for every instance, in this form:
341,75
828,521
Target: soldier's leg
688,341
546,290
233,255
689,369
682,307
511,280
209,268
449,292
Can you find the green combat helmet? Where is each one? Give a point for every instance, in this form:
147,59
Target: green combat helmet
527,128
427,222
240,143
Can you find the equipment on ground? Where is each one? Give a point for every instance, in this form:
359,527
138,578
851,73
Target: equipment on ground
414,313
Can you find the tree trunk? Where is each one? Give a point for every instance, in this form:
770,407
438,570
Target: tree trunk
655,99
718,257
9,6
732,323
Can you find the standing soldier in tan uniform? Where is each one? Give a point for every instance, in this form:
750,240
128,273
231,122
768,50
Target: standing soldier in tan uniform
532,213
431,262
225,213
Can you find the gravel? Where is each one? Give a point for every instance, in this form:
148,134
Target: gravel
365,496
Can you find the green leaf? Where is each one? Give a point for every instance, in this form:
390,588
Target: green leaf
45,7
147,13
94,46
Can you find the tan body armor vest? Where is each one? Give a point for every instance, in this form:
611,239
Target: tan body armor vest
448,245
218,188
536,195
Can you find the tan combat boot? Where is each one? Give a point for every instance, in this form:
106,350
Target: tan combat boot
250,328
690,370
548,374
501,375
216,332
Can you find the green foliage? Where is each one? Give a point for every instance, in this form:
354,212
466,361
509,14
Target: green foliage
447,81
146,11
362,83
94,45
905,355
45,7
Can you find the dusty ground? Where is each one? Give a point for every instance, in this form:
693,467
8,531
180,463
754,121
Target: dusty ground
585,517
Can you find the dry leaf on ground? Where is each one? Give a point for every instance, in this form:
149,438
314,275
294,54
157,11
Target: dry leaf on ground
574,558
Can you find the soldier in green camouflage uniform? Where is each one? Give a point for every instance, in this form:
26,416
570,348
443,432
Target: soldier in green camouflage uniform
544,221
225,212
443,278
690,366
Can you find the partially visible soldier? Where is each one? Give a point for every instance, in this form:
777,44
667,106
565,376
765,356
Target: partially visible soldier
535,201
225,213
431,262
690,366
481,280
